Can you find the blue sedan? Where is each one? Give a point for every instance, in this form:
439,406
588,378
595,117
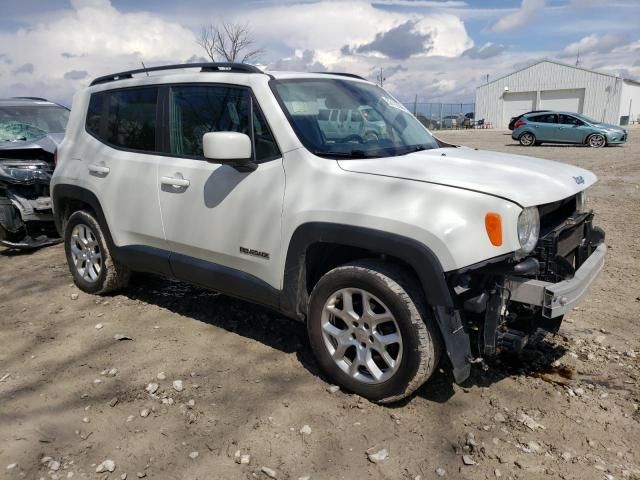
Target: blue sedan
565,127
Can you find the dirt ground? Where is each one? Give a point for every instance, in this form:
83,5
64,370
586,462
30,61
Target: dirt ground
72,396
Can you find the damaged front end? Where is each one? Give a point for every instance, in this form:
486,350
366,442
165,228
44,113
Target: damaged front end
26,216
507,301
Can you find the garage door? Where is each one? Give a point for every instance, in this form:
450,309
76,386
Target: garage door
516,103
562,100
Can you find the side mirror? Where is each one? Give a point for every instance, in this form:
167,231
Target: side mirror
232,148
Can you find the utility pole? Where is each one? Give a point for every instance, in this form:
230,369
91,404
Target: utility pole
415,105
578,58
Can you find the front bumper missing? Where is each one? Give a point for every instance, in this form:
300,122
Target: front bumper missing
556,299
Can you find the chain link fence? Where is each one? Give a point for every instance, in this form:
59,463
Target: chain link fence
436,115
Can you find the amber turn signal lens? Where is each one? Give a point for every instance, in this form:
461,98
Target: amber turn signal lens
493,224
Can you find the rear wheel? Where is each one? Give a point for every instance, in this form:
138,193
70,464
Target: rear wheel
527,139
596,140
371,335
93,268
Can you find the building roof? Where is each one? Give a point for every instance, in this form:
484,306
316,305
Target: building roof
562,64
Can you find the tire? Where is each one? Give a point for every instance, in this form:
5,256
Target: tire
90,261
527,139
395,367
597,140
12,237
13,228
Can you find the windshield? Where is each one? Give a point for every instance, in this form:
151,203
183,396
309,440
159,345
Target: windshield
342,118
28,123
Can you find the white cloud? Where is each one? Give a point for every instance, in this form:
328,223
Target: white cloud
92,37
423,3
327,26
596,44
488,50
60,52
529,10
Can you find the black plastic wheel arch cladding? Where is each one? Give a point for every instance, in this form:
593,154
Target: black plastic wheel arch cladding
422,259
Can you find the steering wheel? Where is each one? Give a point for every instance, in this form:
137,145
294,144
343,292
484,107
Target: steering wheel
351,138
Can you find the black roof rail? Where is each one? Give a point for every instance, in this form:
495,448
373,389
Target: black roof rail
40,99
342,74
204,67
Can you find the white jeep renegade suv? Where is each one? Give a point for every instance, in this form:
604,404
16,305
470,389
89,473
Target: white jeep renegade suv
395,249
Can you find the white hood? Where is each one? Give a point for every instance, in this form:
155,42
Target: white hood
524,180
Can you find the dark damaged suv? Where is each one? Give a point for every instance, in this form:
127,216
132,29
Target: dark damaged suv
30,131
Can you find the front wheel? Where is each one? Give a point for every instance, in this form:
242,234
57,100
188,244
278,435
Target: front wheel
527,139
596,140
370,331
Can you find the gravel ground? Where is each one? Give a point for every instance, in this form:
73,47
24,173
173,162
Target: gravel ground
204,376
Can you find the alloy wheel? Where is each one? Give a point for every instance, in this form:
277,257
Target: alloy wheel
597,140
361,335
527,139
86,254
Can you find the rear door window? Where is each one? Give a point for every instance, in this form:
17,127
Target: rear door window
95,114
545,118
131,118
124,118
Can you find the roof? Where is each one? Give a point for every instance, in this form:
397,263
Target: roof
211,67
282,75
24,101
555,112
562,64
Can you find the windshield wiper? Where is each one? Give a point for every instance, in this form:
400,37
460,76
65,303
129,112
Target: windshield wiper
350,154
412,149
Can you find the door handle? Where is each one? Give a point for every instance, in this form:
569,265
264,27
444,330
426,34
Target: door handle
99,169
175,182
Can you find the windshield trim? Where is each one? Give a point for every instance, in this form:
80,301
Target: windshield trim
359,154
585,119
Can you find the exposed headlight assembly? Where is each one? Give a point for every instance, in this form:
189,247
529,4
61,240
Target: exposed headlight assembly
581,202
528,229
20,171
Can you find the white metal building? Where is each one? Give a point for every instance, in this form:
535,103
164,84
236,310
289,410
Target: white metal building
551,85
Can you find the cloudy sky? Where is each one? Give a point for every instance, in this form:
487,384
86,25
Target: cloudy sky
440,50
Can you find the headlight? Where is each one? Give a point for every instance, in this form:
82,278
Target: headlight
581,202
528,229
19,171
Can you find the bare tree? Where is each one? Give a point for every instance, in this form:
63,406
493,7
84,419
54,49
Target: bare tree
230,42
